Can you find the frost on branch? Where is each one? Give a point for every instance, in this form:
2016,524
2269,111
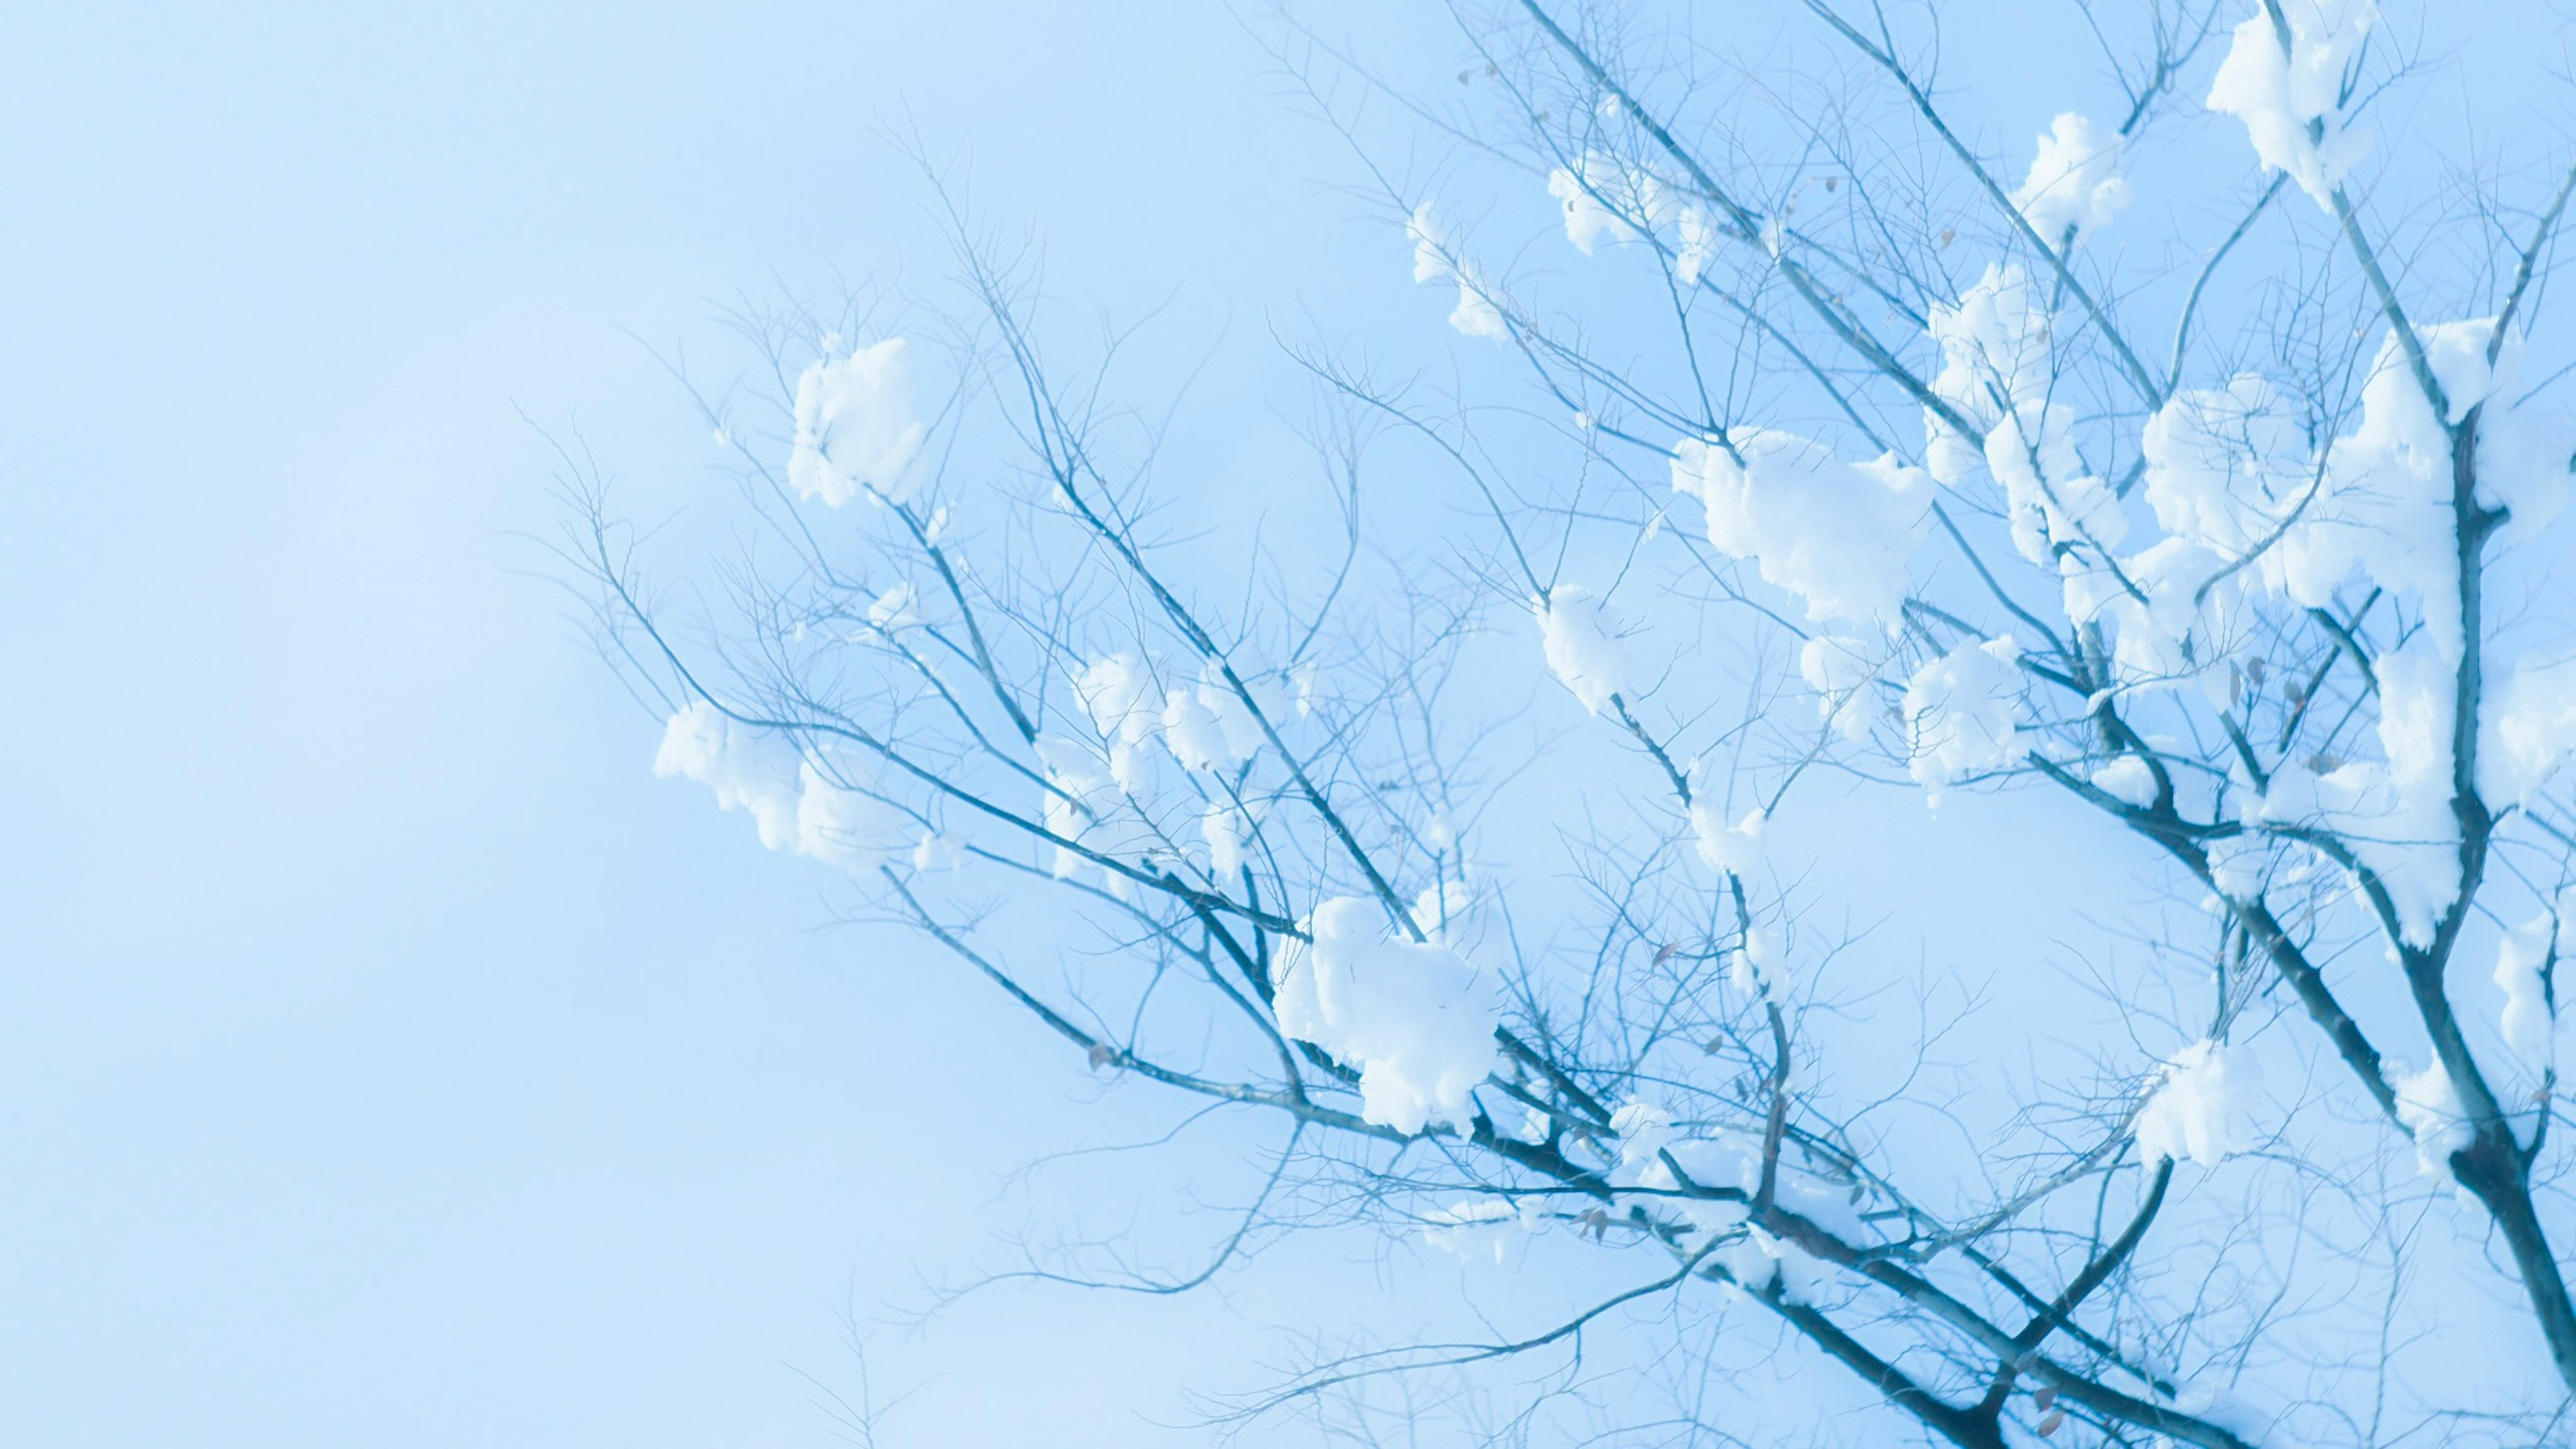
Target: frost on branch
1836,534
2201,1107
1416,1019
2075,180
1962,713
856,429
1581,638
2280,95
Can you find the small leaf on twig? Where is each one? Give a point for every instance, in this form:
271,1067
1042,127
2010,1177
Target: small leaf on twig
2050,1424
1100,1055
1669,950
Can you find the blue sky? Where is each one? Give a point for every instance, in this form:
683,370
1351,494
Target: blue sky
384,1056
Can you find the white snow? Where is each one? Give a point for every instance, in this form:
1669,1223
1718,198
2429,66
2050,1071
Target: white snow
856,429
1118,693
796,806
1994,344
2201,1107
2128,780
2277,95
843,826
1835,534
2075,179
748,769
1081,796
2428,1105
2396,811
1580,636
895,609
1643,1130
1587,220
2225,466
1733,849
1417,1020
1695,239
2525,961
1962,711
1440,911
2529,729
1841,669
1227,831
1477,314
1480,1227
937,852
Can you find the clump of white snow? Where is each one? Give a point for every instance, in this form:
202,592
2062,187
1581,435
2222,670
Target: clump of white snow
749,770
2201,1107
1841,670
1694,244
1080,798
2129,780
1962,713
1228,833
796,806
1835,534
1580,635
2428,1106
843,826
1580,189
2529,729
2526,960
937,852
856,429
2278,93
897,609
2075,180
2396,810
1476,314
1734,849
1118,693
1643,1130
1995,358
1481,1226
1416,1019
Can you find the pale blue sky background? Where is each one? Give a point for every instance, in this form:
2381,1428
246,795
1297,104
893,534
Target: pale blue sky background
384,1057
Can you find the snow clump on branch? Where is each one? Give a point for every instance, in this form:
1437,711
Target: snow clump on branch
856,428
2279,94
2075,180
2201,1107
1580,636
795,805
1416,1019
1476,314
1836,534
1963,711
